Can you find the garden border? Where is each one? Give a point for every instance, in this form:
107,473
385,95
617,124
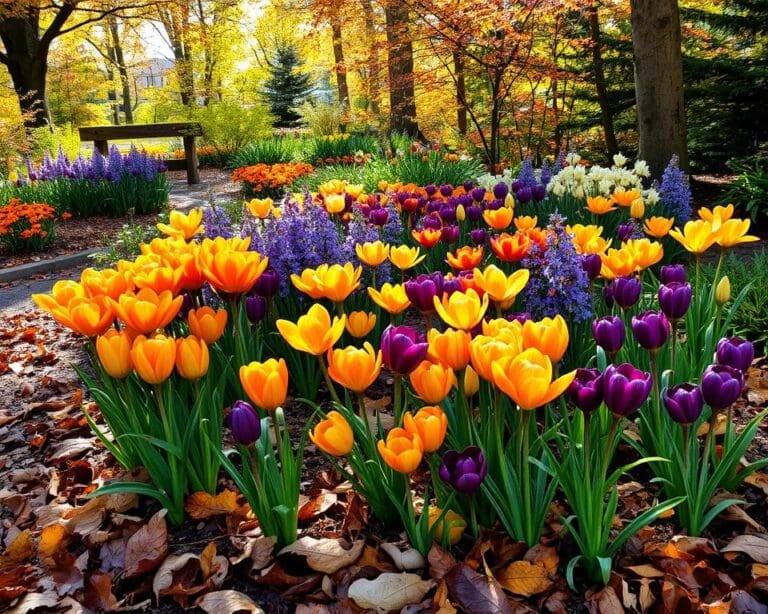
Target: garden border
27,269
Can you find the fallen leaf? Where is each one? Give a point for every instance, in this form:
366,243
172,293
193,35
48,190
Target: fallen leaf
524,578
229,602
720,425
605,601
754,546
147,548
33,601
743,602
19,551
311,507
759,570
101,597
646,571
405,560
389,591
758,479
645,596
440,562
325,555
476,593
543,555
69,448
202,505
52,538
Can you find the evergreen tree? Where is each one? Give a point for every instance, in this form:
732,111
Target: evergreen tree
287,86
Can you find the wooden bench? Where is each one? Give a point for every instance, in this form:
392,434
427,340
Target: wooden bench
101,135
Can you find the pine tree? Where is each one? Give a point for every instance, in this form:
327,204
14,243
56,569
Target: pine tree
287,86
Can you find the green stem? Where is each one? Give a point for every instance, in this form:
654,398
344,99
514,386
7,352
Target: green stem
364,418
398,397
526,473
609,444
328,381
472,516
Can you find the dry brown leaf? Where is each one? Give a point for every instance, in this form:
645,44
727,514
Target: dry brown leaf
759,570
231,602
716,607
311,507
754,546
646,571
389,591
440,562
605,601
19,550
475,592
441,602
758,479
202,505
325,555
720,425
524,578
33,601
545,556
645,596
147,548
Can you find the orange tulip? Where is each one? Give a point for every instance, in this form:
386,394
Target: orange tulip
465,258
360,323
114,351
626,198
157,278
450,348
183,226
432,381
645,253
617,263
527,379
427,237
333,435
265,383
451,522
549,336
260,207
146,310
599,205
229,267
354,368
404,257
658,227
85,316
153,358
498,219
526,222
62,292
511,248
207,324
484,351
402,450
192,358
430,424
309,283
313,333
108,282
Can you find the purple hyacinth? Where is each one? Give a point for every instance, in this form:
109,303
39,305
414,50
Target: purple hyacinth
675,192
527,176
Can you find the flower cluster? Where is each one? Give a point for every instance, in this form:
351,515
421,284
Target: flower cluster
270,179
675,192
27,226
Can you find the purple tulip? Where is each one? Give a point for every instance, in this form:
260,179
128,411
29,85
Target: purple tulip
478,236
492,205
474,213
539,192
735,352
451,285
674,299
402,348
673,272
624,231
524,195
684,402
626,388
448,214
651,329
626,291
267,284
478,194
421,290
586,390
500,190
721,385
517,185
245,423
468,185
449,234
433,206
463,470
609,333
446,190
608,296
591,263
431,190
379,217
255,308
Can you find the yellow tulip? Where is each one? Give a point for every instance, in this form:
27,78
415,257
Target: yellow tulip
500,287
207,324
658,227
637,209
62,292
625,198
404,257
617,263
401,450
723,291
548,335
355,190
430,423
192,358
644,252
717,215
338,282
109,282
153,358
354,368
451,522
333,435
360,323
391,298
265,383
313,333
309,282
471,382
498,219
260,207
450,348
183,226
372,253
527,379
526,222
734,232
432,381
697,236
462,310
145,311
114,351
335,203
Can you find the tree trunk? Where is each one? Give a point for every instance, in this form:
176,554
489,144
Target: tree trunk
338,58
122,69
606,111
402,97
373,85
461,93
656,40
175,20
26,58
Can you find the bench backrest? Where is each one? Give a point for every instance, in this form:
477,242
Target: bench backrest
139,131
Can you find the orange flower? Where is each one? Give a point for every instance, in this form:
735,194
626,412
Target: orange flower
114,351
108,282
527,379
228,266
354,368
510,248
427,237
465,258
625,198
183,226
87,316
617,263
432,381
599,205
498,219
391,298
402,450
430,424
333,435
360,323
526,222
549,336
192,357
485,350
658,227
153,358
207,324
265,383
146,310
450,348
644,252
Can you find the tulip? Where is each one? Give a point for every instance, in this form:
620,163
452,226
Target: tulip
108,282
430,423
379,216
485,350
255,308
625,388
626,291
721,386
586,390
450,348
527,379
336,282
717,215
723,291
734,232
609,333
465,258
644,252
592,264
245,423
354,368
617,263
153,358
146,311
360,323
426,237
314,332
626,198
401,450
478,194
265,383
207,324
229,267
114,351
658,227
502,289
500,190
471,382
525,223
524,195
402,348
62,293
697,236
511,248
158,278
449,234
192,358
464,470
599,205
499,219
391,298
335,203
684,402
549,336
404,257
651,329
462,310
423,290
673,272
267,284
432,381
451,522
333,435
260,207
675,299
86,316
735,352
372,253
183,226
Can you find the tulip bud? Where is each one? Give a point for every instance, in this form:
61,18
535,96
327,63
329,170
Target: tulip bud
609,333
735,352
114,350
626,388
683,402
451,522
465,470
333,435
586,390
192,358
723,291
637,209
245,423
721,386
651,329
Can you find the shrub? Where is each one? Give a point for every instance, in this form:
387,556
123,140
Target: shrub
266,151
750,188
339,148
26,226
228,126
323,119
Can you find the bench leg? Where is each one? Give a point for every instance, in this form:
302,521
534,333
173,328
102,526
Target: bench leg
102,147
190,152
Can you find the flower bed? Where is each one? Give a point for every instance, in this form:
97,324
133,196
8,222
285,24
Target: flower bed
269,179
27,226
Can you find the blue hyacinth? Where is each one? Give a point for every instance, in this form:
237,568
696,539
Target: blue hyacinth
675,192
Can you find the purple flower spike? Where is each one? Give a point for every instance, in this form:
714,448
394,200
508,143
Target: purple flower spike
735,352
651,329
609,333
683,402
626,388
245,423
675,299
721,386
586,390
464,470
402,348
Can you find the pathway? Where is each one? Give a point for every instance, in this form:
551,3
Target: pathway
215,184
